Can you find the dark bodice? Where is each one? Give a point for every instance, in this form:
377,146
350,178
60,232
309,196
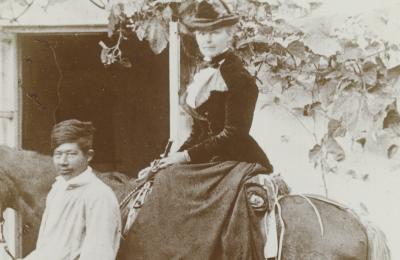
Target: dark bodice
221,125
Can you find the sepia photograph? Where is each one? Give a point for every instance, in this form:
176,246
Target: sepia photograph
199,129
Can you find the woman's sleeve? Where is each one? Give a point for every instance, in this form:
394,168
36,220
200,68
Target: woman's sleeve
239,108
192,139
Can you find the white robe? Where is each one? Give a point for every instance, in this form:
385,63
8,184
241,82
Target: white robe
81,221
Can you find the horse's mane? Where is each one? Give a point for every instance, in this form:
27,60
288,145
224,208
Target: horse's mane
117,181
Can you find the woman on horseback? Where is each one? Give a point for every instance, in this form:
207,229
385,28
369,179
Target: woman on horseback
198,207
221,98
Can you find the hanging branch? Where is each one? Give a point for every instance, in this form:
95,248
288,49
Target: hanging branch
110,55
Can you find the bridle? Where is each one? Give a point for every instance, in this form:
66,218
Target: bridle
2,237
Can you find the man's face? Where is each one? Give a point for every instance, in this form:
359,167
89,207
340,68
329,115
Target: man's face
212,43
70,161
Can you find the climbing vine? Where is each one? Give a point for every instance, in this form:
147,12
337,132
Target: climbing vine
342,69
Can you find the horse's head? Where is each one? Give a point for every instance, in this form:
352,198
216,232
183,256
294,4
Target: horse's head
8,191
7,186
25,180
7,198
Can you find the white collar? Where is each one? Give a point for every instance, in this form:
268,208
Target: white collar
204,81
84,178
208,59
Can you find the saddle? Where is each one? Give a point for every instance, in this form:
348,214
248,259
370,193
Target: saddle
262,193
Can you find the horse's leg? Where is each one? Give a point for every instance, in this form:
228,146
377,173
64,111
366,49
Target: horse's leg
343,236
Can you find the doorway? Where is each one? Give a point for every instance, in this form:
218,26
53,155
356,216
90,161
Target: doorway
62,77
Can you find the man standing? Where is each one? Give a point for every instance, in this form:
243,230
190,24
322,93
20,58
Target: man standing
82,218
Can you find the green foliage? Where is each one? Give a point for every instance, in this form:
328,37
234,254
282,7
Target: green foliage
340,67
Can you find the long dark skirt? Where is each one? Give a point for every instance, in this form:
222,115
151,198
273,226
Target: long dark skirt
197,211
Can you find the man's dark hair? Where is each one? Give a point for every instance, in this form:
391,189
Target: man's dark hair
73,131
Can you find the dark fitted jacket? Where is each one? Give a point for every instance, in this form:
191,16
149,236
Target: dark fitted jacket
221,125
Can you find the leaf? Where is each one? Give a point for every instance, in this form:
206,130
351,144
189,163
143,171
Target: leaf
379,100
271,60
370,73
131,8
362,141
157,35
352,110
351,52
323,44
388,139
309,109
336,129
315,155
305,80
141,29
365,177
257,39
298,49
323,62
187,7
392,150
167,14
103,55
262,13
332,147
113,20
392,119
295,96
326,92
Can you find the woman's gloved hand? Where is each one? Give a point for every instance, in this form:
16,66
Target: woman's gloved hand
144,172
174,158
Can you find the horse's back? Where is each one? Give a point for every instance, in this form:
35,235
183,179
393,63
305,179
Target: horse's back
343,235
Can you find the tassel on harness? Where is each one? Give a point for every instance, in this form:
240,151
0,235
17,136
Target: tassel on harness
136,198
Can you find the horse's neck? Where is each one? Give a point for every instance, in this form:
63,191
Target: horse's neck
27,200
32,195
118,182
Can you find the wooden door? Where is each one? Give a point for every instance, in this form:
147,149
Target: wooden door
9,126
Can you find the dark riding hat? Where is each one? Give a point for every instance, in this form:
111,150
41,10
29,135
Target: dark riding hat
211,15
73,131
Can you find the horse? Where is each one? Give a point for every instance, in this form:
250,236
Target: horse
311,228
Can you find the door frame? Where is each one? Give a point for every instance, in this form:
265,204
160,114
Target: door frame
12,114
11,105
